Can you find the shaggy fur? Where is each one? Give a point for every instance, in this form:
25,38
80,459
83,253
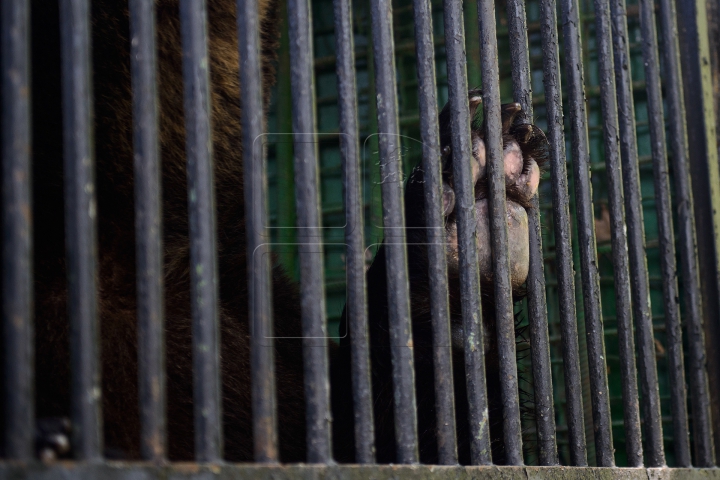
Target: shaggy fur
116,236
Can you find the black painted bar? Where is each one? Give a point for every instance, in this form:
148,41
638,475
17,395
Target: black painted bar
437,271
654,454
563,234
537,308
357,316
260,313
394,227
586,232
17,232
310,236
666,237
148,232
504,316
81,230
203,255
687,147
620,130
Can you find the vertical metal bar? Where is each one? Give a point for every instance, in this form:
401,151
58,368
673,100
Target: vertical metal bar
434,222
356,296
636,250
711,75
470,300
310,235
586,232
17,228
504,317
262,362
612,136
537,308
690,216
201,210
403,374
621,274
666,237
148,232
81,234
563,233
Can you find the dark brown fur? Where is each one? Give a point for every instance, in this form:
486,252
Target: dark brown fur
116,278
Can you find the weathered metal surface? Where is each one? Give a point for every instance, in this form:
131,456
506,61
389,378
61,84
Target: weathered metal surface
310,235
81,228
504,318
17,281
201,215
666,238
693,165
148,232
586,231
192,471
357,315
262,367
393,210
537,307
563,234
434,221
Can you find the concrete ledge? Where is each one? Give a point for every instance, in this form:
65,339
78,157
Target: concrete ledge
193,471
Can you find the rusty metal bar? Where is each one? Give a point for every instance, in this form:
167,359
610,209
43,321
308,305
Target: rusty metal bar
504,317
148,232
310,235
81,229
403,374
586,231
203,254
17,280
537,308
435,239
357,316
260,313
563,234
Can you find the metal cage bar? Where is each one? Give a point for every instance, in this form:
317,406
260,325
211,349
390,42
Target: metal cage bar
148,233
680,125
17,280
504,317
586,232
357,315
203,251
563,234
537,307
80,225
631,280
663,201
310,235
635,236
621,274
260,312
434,221
403,374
